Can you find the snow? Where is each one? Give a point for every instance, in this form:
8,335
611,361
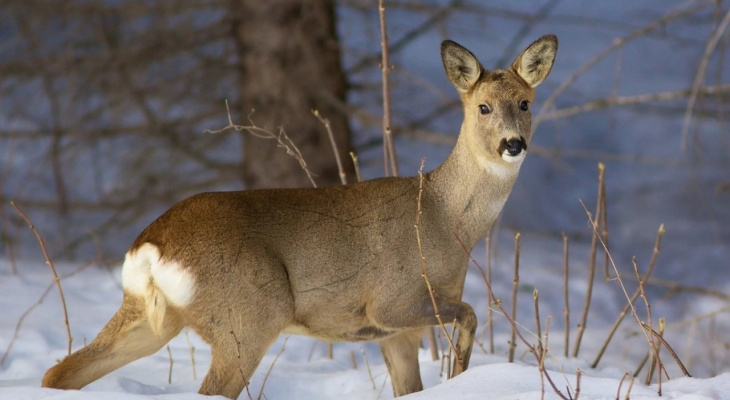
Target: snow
301,369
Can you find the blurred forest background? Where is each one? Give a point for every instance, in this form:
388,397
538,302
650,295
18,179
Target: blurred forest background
104,108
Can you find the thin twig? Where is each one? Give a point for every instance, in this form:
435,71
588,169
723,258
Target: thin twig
646,332
656,362
281,139
671,351
620,383
566,309
490,311
27,312
390,158
628,391
652,344
271,367
511,321
632,299
591,264
432,344
53,270
169,371
191,349
367,366
328,128
515,287
625,101
658,24
536,301
424,273
357,166
603,222
700,77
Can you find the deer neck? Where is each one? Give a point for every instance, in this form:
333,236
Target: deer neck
470,191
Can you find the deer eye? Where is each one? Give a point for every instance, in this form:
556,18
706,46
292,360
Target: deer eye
484,109
524,105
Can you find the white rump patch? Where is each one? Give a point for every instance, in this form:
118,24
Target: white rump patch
144,268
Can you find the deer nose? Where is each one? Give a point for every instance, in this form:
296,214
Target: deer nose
512,147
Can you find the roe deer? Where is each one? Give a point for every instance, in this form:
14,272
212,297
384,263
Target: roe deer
339,263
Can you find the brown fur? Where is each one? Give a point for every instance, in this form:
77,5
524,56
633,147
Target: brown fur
338,263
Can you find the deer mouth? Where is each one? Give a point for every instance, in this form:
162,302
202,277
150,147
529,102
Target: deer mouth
512,150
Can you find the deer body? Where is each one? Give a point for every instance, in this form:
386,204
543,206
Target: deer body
340,263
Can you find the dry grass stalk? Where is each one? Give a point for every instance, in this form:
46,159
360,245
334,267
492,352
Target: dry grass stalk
628,391
330,351
642,363
353,360
328,128
432,344
191,349
490,311
645,329
5,237
271,367
515,288
389,155
536,301
591,262
367,366
56,279
543,350
632,299
620,383
578,375
357,166
669,348
603,222
424,273
566,309
511,321
655,359
169,371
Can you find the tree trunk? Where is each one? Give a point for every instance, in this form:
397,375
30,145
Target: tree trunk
289,62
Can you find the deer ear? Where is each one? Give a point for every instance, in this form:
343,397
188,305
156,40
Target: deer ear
462,68
536,61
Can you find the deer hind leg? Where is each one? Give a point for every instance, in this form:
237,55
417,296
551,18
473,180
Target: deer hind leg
240,321
128,336
401,357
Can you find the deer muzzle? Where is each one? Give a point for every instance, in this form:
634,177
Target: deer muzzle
512,149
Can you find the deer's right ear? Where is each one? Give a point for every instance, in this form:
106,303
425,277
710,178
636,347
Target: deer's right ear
462,67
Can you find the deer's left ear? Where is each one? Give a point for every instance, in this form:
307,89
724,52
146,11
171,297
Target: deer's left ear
536,61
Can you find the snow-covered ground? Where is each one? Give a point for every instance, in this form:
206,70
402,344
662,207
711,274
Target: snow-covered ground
303,370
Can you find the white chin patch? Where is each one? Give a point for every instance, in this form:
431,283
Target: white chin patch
506,156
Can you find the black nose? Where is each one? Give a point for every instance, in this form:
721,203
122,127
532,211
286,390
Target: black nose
513,146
